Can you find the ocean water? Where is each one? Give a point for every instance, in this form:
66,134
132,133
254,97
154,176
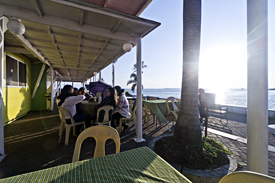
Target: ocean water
237,97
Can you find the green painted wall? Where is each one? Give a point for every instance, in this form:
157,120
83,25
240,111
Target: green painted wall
39,102
17,100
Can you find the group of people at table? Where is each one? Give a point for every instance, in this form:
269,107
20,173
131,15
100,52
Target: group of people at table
71,98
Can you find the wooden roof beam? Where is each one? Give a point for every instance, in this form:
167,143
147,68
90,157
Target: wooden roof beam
54,43
15,49
110,13
38,10
81,17
31,49
104,45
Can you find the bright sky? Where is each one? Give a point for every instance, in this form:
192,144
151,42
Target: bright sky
223,47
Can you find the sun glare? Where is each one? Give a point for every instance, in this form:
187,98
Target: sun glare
220,94
218,66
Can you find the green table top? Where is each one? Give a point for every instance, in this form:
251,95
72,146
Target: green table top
89,107
136,165
159,108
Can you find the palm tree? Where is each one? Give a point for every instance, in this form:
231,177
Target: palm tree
187,130
134,76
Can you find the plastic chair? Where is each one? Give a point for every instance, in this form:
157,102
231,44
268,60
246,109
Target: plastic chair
63,123
106,120
133,117
101,134
247,177
171,115
149,113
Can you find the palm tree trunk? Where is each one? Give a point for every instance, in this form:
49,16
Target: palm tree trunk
187,130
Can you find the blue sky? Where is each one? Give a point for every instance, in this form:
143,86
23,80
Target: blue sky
223,47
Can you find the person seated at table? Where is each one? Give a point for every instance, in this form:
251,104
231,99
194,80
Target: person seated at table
201,106
69,101
78,106
81,91
75,91
110,99
122,108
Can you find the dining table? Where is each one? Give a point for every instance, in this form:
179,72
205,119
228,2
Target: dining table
136,165
89,108
159,108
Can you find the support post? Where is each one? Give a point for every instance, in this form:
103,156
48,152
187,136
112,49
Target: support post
99,77
52,94
257,86
3,28
139,95
57,88
38,80
113,74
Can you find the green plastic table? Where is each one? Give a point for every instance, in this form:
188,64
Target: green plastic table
89,107
136,165
159,108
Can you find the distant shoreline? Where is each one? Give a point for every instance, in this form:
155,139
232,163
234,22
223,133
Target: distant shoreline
203,88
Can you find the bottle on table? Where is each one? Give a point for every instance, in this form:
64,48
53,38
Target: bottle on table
99,99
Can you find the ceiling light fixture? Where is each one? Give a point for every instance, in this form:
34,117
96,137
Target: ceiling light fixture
127,47
15,26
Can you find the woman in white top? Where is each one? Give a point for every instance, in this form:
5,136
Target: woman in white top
68,101
122,108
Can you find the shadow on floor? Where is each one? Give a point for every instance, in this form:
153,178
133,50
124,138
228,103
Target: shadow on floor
31,143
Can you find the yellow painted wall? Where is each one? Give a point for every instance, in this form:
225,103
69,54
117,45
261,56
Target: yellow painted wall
17,100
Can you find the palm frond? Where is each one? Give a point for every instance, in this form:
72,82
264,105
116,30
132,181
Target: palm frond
134,76
131,81
133,87
142,66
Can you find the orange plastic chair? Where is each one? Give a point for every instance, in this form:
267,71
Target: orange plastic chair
63,124
101,134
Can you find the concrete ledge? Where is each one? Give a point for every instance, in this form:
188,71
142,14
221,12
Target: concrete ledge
243,110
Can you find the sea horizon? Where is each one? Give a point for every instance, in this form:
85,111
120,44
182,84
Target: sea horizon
230,96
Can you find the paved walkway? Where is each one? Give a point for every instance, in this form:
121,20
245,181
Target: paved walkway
31,143
233,136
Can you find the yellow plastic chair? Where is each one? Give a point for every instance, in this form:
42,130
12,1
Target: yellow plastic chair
133,117
106,120
172,115
63,123
101,134
247,177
